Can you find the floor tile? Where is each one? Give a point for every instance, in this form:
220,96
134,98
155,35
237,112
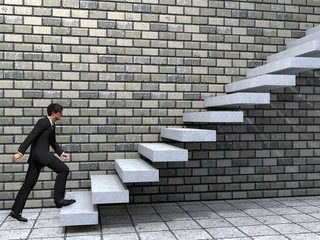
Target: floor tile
117,228
175,216
83,230
259,212
221,206
141,210
47,232
298,218
124,236
151,227
157,235
284,210
274,219
113,212
14,234
11,225
214,222
231,213
304,236
146,218
258,231
229,232
195,207
313,226
272,237
308,209
49,215
94,237
46,223
115,220
288,228
185,224
201,215
191,234
169,209
243,221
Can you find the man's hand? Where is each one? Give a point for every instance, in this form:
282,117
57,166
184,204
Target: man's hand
16,157
65,156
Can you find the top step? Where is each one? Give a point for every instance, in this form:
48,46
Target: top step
313,30
300,41
288,66
309,49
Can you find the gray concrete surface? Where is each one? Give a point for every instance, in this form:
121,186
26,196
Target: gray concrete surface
258,219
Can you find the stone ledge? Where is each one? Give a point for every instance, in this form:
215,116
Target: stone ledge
82,212
189,134
136,170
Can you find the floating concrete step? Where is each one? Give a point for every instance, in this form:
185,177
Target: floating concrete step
290,66
300,41
238,99
189,134
313,30
309,49
213,117
162,152
261,83
108,189
82,212
136,170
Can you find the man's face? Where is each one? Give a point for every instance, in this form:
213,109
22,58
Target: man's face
57,115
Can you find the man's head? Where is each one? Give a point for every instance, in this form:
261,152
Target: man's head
55,109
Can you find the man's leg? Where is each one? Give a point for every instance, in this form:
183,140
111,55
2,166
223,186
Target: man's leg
29,182
62,171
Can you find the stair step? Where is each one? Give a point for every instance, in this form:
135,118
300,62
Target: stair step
213,117
189,134
262,83
162,152
238,99
136,170
300,41
313,30
82,212
108,189
309,49
291,65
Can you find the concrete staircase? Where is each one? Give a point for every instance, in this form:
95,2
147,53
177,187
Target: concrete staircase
279,72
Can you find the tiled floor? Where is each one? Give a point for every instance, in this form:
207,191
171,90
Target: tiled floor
259,219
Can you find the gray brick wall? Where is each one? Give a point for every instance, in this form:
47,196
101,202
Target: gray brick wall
124,69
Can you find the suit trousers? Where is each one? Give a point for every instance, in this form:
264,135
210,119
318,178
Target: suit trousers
30,181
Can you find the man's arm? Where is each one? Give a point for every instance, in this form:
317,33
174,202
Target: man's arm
56,147
31,137
38,128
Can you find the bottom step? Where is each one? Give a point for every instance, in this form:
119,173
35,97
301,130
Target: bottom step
82,212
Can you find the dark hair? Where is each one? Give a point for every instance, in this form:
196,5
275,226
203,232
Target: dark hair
54,107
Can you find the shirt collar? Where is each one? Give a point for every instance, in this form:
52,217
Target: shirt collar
50,121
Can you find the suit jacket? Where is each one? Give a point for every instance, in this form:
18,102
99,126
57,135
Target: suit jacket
41,138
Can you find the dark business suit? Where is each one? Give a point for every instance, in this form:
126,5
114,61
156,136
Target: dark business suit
41,138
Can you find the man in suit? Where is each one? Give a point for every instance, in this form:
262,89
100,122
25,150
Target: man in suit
41,138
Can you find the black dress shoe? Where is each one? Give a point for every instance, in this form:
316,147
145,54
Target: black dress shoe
65,202
18,216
